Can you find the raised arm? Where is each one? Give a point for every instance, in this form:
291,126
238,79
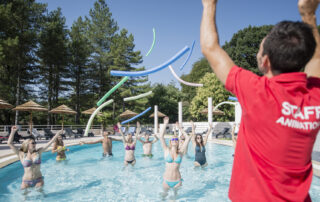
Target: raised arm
208,134
122,135
187,141
307,9
181,130
43,149
232,134
10,141
93,142
219,60
155,139
192,137
162,131
138,130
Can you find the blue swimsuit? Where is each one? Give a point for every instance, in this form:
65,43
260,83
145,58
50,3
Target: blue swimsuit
178,161
200,156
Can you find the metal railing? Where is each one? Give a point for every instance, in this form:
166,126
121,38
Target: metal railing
4,128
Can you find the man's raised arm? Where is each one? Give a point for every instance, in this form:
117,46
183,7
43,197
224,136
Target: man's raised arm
219,60
307,9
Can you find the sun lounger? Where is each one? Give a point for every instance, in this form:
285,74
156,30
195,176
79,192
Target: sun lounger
36,134
224,133
81,132
48,134
70,133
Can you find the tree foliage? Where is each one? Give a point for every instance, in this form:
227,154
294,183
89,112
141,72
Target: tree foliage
212,87
244,46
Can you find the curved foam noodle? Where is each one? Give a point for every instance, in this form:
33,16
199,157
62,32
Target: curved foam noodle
152,70
153,42
182,81
137,97
94,114
137,116
111,91
190,53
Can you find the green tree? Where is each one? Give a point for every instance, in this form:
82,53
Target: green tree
167,98
199,69
123,58
244,46
53,55
212,87
19,28
80,52
101,28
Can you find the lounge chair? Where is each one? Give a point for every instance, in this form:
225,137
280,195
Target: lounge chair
4,137
70,133
132,130
24,136
81,131
224,133
188,130
36,134
48,134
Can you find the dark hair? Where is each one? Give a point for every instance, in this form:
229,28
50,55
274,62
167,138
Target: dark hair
289,46
201,143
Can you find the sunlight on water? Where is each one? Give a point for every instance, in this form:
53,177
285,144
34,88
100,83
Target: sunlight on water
87,176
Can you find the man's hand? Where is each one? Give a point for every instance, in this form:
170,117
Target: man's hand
208,2
218,59
307,9
308,6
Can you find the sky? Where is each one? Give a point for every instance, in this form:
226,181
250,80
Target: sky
177,24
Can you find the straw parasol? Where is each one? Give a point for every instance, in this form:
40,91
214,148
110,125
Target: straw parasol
63,109
30,107
214,112
90,111
128,114
5,105
159,115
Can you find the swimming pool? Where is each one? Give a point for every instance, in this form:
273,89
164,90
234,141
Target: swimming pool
86,176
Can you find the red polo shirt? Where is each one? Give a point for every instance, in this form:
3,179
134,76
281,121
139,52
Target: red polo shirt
279,123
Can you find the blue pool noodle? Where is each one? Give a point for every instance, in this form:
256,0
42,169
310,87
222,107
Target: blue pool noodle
190,53
137,116
152,70
233,98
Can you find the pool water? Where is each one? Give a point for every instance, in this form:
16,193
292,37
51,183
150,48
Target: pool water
87,176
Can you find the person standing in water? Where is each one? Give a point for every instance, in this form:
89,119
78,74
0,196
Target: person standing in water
30,158
199,144
129,145
60,149
173,157
106,142
147,144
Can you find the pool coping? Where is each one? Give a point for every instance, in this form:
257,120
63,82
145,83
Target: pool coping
12,158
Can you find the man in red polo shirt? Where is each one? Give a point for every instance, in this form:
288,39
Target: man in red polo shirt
280,110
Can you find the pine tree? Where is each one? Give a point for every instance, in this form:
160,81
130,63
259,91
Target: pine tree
80,51
19,28
53,55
